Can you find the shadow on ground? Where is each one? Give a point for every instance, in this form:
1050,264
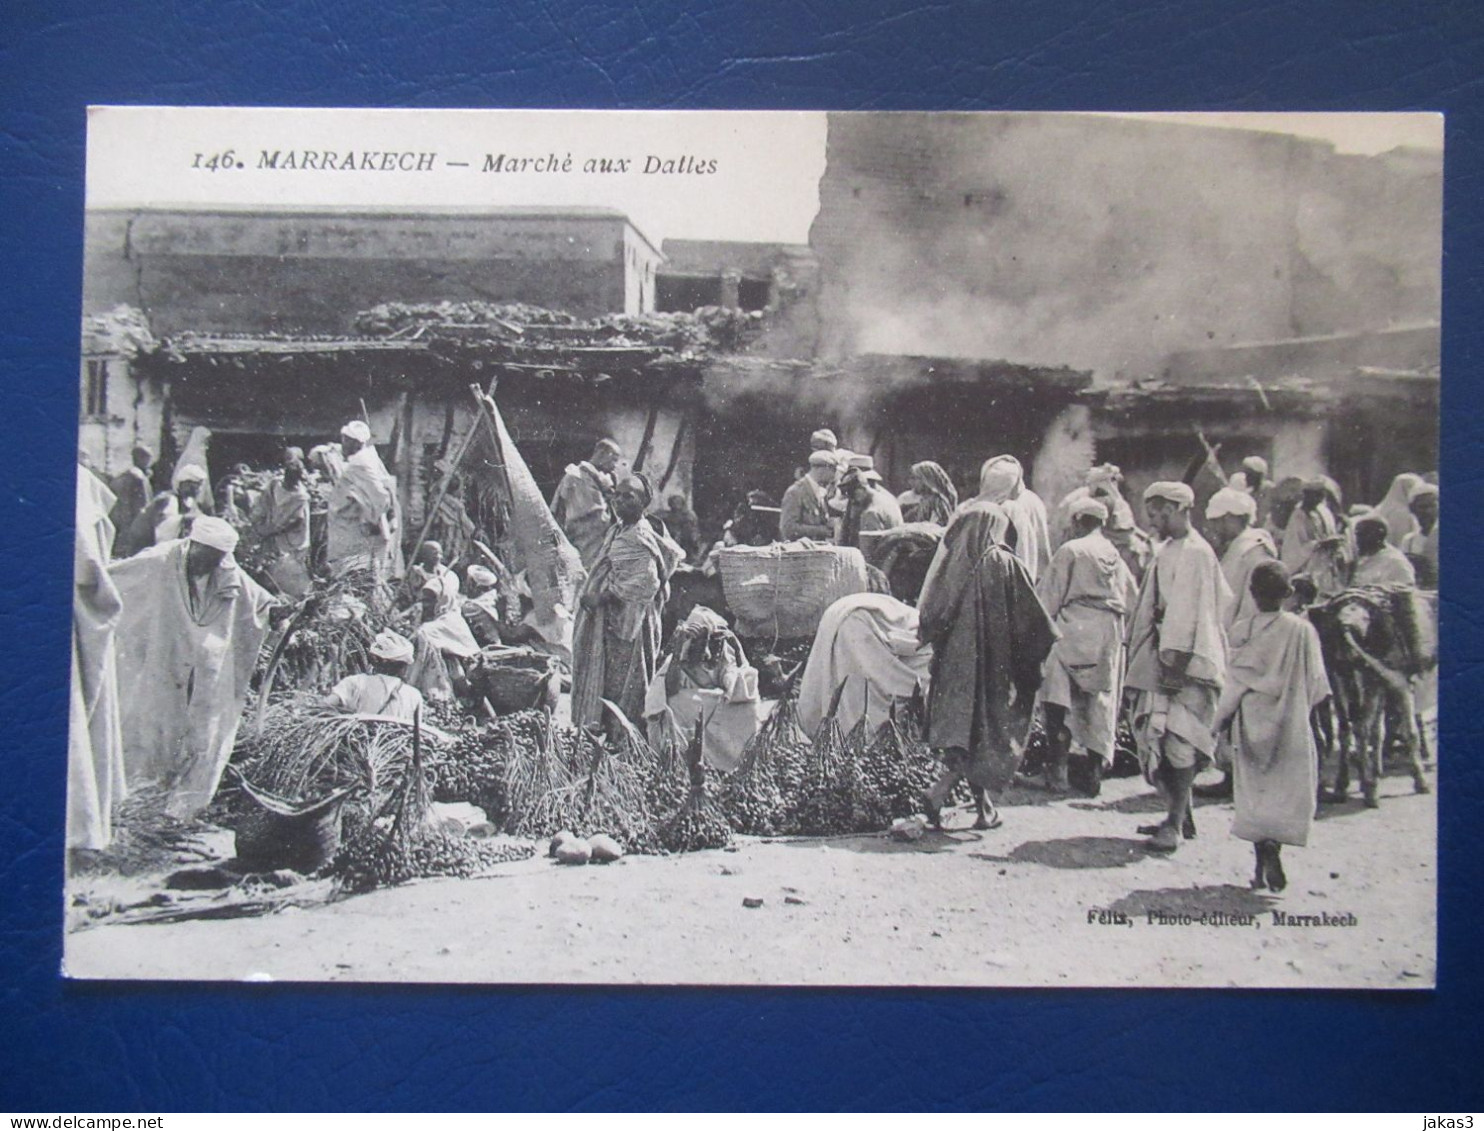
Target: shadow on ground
880,844
1072,852
1195,901
1150,802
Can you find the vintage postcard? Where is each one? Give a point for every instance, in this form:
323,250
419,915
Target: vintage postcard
914,549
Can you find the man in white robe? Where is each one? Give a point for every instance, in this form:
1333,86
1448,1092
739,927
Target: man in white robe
1177,658
362,508
188,640
1231,517
95,745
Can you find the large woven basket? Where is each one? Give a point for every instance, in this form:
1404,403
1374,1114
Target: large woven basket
277,834
782,590
512,679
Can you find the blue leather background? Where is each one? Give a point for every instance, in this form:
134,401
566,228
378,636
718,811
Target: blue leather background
161,1048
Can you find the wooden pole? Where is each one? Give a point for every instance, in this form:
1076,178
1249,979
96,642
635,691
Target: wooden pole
452,469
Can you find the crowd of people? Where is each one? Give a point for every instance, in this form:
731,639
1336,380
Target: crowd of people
1076,615
1199,641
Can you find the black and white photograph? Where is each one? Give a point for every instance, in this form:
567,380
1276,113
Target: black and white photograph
757,548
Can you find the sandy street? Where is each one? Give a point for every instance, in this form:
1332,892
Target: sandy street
1015,906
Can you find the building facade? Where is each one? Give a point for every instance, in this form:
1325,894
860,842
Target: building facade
310,271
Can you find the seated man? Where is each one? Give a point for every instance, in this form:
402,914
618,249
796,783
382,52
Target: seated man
443,639
484,611
706,676
383,690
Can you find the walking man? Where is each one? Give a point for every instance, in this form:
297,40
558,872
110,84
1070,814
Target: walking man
1177,658
989,636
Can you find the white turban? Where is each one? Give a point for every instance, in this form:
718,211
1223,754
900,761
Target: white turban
190,473
392,647
1089,505
822,458
357,430
1230,500
483,577
214,532
823,439
1178,493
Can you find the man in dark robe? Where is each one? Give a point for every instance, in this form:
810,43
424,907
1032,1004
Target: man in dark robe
990,635
616,640
131,489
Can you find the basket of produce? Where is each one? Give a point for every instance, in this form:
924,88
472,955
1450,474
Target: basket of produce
513,679
782,590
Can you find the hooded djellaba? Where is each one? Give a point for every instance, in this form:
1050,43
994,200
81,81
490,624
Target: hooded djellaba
990,636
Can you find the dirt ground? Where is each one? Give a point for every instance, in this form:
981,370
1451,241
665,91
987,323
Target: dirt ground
1063,894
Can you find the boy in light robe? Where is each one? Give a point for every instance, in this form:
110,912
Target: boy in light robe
1231,519
1275,680
1087,591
